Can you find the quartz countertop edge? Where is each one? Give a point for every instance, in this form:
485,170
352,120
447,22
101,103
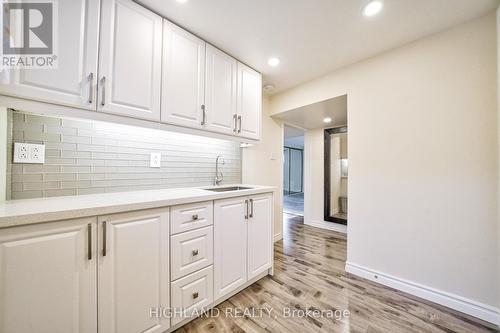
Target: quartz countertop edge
32,211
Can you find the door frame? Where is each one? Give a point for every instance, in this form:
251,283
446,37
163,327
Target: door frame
327,167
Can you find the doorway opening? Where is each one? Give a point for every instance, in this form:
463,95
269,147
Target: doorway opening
293,171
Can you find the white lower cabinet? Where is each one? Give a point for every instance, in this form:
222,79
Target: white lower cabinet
242,241
230,245
259,238
48,278
126,272
191,251
133,271
191,294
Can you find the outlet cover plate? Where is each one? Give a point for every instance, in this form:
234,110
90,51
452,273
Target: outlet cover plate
155,160
29,153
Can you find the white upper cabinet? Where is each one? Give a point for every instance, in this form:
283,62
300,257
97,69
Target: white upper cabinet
220,93
260,243
130,60
249,104
183,90
133,271
48,277
73,82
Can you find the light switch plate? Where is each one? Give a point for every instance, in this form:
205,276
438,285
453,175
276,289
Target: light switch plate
29,153
155,160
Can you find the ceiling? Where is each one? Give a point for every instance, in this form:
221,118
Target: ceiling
294,137
311,116
293,132
312,37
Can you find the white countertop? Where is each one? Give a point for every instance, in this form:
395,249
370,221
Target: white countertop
29,211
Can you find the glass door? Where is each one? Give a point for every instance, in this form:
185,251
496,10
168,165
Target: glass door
293,170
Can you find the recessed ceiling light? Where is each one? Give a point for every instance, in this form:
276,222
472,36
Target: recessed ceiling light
268,87
273,62
327,120
373,8
181,1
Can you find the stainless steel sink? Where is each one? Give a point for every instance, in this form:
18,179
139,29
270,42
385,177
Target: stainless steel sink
226,189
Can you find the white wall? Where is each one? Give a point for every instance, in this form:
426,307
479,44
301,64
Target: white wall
262,164
3,153
423,161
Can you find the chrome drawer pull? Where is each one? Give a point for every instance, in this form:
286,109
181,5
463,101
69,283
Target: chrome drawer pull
195,253
91,88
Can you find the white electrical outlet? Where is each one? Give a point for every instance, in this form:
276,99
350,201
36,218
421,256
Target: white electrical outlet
155,160
29,153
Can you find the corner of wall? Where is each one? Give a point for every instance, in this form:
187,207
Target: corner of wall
3,153
267,155
498,133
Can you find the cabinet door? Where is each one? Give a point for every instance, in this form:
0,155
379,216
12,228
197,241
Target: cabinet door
72,83
130,60
183,91
220,96
48,278
249,102
133,272
260,240
230,245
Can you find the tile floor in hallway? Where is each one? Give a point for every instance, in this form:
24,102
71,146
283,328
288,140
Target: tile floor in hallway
294,203
309,274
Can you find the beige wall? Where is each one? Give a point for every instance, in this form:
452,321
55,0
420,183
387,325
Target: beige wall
3,153
262,164
423,166
498,105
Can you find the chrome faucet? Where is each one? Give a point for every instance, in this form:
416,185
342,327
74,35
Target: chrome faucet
219,176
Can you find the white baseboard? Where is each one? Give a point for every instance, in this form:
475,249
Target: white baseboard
328,225
467,306
278,237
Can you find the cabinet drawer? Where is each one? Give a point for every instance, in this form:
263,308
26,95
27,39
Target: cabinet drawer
191,293
191,216
191,251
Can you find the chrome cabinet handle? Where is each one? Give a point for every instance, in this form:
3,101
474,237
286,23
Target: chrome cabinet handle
195,295
235,123
251,207
91,88
203,121
89,241
239,120
195,253
195,217
103,96
246,204
104,245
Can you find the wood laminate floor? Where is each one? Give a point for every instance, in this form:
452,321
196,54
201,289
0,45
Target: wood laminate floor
309,274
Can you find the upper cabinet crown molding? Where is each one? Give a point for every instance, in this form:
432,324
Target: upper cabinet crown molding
127,61
130,60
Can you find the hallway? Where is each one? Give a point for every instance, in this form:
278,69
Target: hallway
294,204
